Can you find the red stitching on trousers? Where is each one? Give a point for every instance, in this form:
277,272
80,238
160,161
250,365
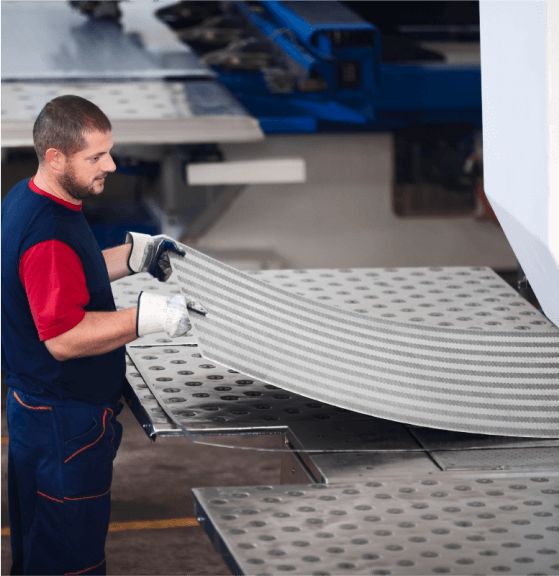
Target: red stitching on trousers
93,443
88,497
86,570
32,407
50,497
73,499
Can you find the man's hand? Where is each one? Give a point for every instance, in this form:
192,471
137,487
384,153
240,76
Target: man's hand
158,313
149,254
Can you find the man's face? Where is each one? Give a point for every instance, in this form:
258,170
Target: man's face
85,171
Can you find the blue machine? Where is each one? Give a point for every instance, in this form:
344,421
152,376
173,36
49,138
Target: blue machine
328,70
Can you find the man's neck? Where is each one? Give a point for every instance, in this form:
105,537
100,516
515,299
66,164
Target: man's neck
50,185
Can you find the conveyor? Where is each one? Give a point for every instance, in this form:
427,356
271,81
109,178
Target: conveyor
360,495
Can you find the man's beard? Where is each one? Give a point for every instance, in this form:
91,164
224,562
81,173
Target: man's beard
69,183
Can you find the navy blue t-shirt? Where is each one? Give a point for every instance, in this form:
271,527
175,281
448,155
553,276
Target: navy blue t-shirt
29,218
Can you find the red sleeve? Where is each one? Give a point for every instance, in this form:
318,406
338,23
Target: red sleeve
53,277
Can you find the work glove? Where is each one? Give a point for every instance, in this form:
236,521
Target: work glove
157,313
149,254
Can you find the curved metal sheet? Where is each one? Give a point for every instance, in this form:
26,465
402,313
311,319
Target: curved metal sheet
504,383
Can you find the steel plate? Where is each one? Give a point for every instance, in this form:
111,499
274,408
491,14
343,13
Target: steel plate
469,380
453,524
52,41
360,290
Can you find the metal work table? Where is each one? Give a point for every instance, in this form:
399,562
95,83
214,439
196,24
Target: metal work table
56,42
414,524
142,112
361,495
154,87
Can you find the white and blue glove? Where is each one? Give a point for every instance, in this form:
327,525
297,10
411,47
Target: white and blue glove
149,254
157,313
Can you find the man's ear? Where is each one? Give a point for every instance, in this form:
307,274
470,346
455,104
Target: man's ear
55,159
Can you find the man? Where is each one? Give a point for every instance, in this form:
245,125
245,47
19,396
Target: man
63,343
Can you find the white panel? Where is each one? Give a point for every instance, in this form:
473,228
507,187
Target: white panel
553,114
518,49
273,171
514,92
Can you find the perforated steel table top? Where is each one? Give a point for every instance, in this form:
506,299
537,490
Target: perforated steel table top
146,111
444,296
449,524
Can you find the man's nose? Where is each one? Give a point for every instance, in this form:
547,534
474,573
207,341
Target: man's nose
109,166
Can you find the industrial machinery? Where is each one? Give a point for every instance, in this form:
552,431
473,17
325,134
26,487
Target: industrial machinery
370,496
359,494
296,67
321,64
317,66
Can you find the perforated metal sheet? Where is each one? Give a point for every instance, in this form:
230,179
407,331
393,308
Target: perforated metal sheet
469,380
352,289
423,525
472,298
140,111
205,397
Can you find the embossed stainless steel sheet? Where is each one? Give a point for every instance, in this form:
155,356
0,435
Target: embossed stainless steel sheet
490,382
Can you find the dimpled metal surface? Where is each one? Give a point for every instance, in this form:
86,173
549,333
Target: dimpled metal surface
467,379
458,524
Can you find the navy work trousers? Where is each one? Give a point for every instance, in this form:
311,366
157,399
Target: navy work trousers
60,464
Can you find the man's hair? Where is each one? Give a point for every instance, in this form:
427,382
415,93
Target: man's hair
63,124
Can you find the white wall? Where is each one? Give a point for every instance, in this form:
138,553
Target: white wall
342,216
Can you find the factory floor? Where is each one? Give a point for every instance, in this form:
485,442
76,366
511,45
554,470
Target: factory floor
341,217
152,483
